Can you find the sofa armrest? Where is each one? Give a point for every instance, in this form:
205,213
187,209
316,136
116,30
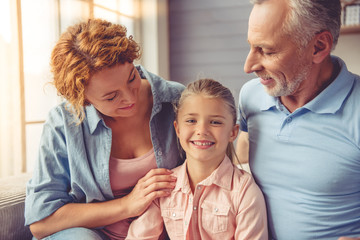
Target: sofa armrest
12,197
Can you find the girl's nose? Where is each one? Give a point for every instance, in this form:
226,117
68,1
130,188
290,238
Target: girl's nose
202,129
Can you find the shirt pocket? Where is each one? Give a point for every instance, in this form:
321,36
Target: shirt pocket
215,217
174,221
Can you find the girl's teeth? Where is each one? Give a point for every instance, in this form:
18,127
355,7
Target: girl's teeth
202,143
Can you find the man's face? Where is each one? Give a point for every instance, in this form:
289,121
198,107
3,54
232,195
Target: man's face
273,57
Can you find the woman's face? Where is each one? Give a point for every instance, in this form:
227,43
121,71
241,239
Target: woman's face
115,91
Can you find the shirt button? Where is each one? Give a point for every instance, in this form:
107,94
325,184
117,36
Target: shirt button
216,209
198,187
159,153
174,214
195,208
289,119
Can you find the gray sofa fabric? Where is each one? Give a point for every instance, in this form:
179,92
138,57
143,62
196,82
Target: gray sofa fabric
12,196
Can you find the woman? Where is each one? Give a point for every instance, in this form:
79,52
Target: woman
104,153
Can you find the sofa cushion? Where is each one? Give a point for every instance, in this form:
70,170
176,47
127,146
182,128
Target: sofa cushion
12,196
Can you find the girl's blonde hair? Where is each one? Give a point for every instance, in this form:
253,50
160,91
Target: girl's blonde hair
85,49
212,89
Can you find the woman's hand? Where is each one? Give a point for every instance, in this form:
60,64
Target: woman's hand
155,184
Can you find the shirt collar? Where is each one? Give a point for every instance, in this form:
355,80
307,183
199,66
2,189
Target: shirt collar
222,177
338,90
93,117
159,87
269,102
182,182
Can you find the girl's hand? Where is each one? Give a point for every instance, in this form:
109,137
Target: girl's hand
155,184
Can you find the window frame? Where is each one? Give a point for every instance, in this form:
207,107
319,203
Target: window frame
151,34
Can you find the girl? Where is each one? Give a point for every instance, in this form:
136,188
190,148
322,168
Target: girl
212,199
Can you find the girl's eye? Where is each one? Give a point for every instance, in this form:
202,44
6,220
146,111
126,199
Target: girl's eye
190,121
215,122
111,99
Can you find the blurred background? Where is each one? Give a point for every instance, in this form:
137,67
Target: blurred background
181,40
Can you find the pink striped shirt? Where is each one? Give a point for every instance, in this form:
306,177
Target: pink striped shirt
226,205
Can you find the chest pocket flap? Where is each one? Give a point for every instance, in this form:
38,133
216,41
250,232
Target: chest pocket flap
174,214
215,217
215,208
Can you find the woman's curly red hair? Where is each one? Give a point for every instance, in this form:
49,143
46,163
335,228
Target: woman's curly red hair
85,49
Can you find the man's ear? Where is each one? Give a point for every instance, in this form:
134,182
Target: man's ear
322,46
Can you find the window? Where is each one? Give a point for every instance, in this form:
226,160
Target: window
28,32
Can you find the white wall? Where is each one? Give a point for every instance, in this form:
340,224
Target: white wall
348,48
208,38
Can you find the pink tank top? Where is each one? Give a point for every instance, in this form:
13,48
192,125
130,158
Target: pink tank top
124,174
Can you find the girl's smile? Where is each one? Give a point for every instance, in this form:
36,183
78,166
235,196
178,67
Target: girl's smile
204,127
202,144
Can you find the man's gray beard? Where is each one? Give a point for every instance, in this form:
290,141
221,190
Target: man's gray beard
284,88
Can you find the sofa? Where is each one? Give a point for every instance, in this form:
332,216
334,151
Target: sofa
12,196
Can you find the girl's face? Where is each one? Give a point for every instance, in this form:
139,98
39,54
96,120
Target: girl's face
115,91
204,127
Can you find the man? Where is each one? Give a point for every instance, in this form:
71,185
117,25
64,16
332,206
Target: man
304,129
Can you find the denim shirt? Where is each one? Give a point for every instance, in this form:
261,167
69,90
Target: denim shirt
73,160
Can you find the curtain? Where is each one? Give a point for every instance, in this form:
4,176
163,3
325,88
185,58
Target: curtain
11,146
28,32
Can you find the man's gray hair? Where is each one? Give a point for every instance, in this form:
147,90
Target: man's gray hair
309,17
